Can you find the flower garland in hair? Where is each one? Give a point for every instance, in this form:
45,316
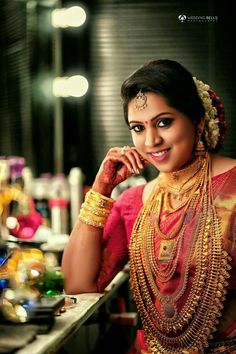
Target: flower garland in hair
215,123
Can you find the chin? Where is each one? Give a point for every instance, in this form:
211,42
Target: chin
165,167
168,169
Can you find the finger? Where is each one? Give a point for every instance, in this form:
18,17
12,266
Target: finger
118,155
127,163
123,173
127,155
119,161
142,162
139,158
133,157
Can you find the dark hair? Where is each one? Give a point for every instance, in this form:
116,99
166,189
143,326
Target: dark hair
169,79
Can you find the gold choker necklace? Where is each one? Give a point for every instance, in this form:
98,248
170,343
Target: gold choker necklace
174,327
180,182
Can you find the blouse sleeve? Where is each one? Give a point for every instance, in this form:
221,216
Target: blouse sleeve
116,236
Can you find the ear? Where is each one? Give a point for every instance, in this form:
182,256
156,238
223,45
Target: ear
201,125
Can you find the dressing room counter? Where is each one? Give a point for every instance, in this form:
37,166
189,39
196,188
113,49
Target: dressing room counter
69,322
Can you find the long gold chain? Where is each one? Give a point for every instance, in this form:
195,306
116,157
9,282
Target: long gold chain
169,329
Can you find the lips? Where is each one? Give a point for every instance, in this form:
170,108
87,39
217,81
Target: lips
160,155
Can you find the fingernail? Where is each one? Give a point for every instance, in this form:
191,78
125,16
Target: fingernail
131,170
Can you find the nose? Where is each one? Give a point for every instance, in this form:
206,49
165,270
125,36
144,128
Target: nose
152,138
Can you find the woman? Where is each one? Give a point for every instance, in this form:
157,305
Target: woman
178,230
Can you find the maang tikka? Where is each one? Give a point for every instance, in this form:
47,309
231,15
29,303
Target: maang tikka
140,101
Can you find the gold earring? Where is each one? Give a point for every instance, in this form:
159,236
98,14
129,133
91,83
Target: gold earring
200,147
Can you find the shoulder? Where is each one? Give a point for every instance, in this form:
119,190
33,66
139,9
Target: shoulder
221,164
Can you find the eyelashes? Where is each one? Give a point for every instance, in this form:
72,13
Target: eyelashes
164,122
161,123
137,128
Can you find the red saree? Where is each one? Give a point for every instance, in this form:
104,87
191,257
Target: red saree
116,242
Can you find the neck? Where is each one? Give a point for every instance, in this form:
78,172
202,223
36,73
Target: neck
183,179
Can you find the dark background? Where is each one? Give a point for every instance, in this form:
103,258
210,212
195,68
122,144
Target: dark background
117,37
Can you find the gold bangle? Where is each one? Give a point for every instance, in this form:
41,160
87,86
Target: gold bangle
91,219
90,204
91,222
94,213
99,200
95,209
99,195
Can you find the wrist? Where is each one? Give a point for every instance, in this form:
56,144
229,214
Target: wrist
102,188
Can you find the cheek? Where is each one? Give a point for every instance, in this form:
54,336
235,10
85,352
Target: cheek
137,140
134,138
189,141
139,143
186,135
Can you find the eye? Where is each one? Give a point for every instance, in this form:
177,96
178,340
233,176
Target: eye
137,128
164,122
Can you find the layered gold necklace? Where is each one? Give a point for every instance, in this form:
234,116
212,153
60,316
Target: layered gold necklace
170,327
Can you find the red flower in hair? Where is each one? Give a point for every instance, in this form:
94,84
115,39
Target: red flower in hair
216,102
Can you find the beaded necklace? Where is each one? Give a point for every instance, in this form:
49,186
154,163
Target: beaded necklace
170,328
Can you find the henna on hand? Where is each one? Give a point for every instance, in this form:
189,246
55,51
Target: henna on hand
115,168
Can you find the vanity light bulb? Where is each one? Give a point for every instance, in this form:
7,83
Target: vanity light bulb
74,86
77,86
74,16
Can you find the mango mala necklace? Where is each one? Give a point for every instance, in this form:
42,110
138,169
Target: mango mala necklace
169,330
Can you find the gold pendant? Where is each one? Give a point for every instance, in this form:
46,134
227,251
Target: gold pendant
166,250
169,310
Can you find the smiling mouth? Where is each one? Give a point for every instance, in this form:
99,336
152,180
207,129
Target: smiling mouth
160,156
160,153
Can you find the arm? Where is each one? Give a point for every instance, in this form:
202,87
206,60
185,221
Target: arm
82,258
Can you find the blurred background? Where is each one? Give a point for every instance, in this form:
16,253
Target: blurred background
61,67
103,43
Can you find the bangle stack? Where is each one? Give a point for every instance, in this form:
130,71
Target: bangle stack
95,209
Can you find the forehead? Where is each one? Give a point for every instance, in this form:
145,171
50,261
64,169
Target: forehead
155,105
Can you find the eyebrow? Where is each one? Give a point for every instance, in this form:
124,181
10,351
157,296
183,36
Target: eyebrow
157,116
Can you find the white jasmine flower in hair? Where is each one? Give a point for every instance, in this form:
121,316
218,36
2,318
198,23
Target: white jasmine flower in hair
211,131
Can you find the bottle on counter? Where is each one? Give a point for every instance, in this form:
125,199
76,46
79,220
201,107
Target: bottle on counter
75,179
4,172
16,165
27,176
4,208
59,204
40,188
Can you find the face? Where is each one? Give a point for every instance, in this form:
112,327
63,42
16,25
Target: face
162,135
